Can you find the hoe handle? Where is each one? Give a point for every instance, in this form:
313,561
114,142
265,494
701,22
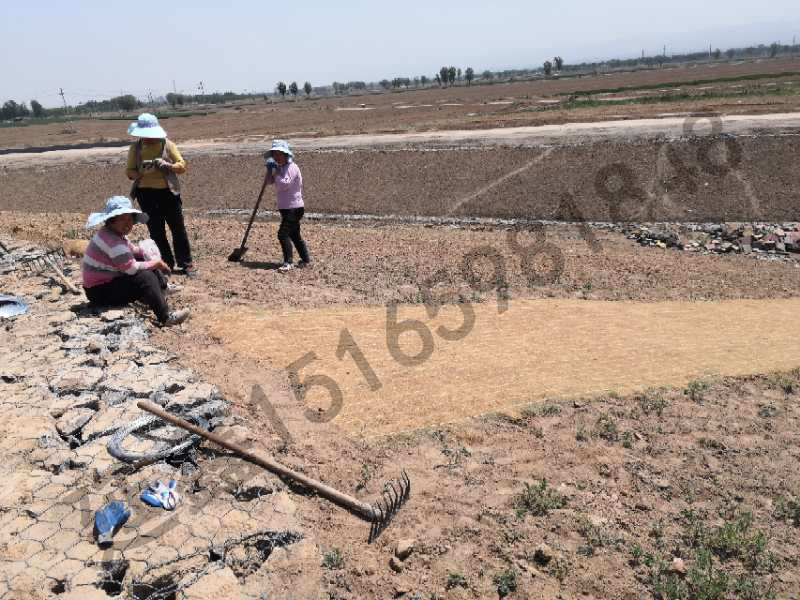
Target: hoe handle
255,211
361,508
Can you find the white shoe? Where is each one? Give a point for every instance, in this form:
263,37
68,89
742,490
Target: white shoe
285,267
176,317
172,289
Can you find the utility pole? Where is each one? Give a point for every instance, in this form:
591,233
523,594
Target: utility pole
174,89
61,93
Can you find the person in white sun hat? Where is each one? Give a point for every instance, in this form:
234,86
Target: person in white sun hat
154,164
285,174
116,272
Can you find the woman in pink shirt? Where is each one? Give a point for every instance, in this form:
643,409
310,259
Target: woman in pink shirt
285,174
116,272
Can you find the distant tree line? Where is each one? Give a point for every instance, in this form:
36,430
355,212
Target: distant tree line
761,51
446,76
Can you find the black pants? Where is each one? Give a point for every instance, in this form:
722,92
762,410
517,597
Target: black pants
165,208
289,232
145,286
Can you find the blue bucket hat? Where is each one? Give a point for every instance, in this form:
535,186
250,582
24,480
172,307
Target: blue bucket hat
281,146
146,126
115,206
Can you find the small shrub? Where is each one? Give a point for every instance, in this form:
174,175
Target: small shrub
595,538
550,410
506,582
455,580
538,500
559,568
696,390
710,444
581,434
627,439
606,428
652,402
333,559
365,477
783,383
788,510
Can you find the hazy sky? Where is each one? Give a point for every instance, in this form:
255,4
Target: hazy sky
97,49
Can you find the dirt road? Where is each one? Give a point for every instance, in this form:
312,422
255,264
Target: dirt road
672,127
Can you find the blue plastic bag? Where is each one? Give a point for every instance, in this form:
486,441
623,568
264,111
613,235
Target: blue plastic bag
109,519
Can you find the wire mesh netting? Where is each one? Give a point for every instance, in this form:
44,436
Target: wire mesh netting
69,383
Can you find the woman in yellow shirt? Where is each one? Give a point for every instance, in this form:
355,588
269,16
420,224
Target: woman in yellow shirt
154,164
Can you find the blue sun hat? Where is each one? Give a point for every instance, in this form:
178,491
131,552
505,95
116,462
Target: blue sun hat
146,126
115,206
282,146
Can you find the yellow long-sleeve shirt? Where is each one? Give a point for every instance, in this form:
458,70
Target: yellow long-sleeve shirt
153,178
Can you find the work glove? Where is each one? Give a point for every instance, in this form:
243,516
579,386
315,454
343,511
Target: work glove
272,166
162,165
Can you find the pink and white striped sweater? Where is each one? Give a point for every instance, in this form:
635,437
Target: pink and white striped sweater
110,255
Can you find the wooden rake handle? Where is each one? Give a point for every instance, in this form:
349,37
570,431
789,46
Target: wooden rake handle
61,277
364,510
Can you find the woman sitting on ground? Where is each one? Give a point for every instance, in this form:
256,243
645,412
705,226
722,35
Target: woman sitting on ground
114,270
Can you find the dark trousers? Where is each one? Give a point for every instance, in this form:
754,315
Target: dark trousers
145,286
289,233
165,208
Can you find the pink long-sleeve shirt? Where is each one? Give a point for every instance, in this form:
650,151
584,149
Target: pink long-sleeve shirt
110,255
288,186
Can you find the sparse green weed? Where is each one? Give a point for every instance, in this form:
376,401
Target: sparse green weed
455,580
538,500
506,582
333,559
696,390
788,510
606,428
652,401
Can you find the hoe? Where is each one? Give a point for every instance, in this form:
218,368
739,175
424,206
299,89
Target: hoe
379,515
237,254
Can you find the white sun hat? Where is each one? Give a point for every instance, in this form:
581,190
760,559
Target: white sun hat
115,206
281,146
146,126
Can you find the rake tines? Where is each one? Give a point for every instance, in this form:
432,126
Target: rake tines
43,262
392,498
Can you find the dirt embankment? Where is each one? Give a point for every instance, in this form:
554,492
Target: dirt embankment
680,181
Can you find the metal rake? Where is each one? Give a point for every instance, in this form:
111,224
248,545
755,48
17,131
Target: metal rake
49,261
380,514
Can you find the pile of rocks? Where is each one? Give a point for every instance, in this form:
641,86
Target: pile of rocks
770,241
